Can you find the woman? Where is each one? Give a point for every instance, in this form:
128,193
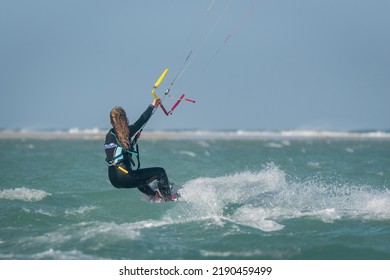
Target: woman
119,151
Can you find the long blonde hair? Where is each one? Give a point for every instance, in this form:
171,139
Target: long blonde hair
120,123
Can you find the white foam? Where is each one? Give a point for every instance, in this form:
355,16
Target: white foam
274,145
24,194
79,211
44,212
107,230
314,165
39,211
77,130
264,200
187,153
256,217
255,253
96,133
62,255
284,134
378,206
327,215
212,197
227,254
82,232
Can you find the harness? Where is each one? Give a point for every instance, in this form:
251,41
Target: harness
120,154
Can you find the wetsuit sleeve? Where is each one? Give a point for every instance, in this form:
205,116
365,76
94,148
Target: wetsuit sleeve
142,120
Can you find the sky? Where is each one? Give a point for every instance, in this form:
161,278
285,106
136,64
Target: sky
255,64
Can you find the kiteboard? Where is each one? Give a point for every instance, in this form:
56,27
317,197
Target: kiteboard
175,196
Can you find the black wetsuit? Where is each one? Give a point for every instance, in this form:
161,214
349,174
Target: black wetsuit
121,161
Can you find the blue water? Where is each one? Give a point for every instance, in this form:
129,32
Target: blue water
242,198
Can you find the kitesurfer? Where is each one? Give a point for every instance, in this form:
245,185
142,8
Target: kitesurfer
119,147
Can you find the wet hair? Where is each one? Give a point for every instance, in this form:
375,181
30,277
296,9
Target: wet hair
120,123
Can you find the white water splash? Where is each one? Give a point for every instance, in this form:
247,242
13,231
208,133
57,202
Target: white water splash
265,199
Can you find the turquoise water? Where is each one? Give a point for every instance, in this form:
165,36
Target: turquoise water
263,198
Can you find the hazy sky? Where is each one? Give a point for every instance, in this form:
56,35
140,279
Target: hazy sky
288,64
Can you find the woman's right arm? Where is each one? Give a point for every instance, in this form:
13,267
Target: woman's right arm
144,117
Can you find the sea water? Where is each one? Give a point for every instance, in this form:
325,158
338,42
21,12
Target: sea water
251,197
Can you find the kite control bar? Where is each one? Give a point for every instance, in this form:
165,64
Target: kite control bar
158,82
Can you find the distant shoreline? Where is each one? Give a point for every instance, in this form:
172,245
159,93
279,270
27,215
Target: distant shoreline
83,135
96,134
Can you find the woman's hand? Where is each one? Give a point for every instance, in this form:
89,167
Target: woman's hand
156,102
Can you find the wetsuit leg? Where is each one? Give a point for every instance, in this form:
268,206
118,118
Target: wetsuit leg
140,179
145,176
148,190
